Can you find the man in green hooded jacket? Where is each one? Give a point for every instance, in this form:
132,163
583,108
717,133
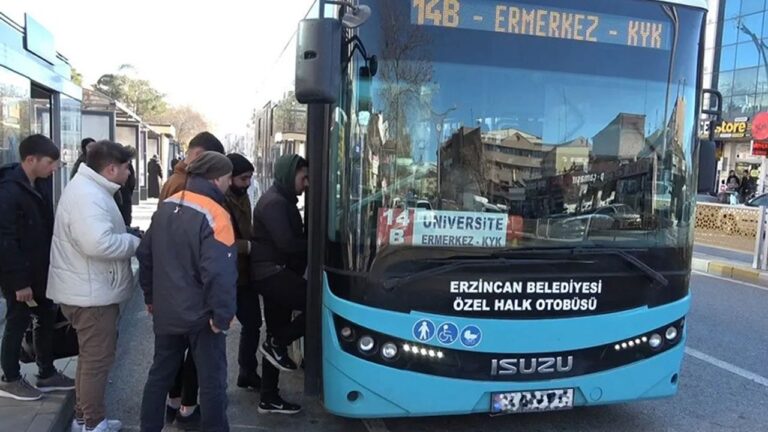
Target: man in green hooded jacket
278,262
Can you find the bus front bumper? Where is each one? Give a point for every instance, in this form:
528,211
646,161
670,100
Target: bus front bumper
359,389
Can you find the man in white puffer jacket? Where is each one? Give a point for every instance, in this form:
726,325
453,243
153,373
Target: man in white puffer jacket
90,273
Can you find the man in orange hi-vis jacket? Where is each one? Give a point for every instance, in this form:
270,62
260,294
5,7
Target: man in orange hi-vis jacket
188,272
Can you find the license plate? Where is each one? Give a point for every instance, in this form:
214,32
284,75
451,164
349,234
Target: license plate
531,401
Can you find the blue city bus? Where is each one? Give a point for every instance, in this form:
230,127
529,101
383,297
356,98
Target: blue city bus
501,217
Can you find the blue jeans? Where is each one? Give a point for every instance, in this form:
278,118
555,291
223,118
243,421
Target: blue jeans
210,353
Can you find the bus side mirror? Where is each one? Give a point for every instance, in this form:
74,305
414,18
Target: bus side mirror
365,98
318,61
707,167
708,148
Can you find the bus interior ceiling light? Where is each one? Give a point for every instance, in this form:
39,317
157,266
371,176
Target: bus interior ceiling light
354,16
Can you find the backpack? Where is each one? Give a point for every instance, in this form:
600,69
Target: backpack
65,342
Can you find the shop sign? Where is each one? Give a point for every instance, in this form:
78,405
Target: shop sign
732,129
760,148
760,127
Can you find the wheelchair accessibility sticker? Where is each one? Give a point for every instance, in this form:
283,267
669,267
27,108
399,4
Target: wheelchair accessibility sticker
447,333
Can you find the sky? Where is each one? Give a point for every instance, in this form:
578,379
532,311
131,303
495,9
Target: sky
213,55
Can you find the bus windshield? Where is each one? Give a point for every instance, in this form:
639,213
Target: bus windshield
496,125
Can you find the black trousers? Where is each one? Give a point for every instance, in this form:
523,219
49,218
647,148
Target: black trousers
210,353
283,293
17,320
185,384
249,315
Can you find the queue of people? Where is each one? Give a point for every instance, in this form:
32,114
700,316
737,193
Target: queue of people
209,257
77,261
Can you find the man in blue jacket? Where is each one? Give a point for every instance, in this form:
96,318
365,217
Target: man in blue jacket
188,271
26,229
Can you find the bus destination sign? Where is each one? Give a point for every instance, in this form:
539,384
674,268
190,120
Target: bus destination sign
439,228
544,22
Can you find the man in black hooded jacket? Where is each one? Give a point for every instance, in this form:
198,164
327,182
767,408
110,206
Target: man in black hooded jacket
278,262
26,229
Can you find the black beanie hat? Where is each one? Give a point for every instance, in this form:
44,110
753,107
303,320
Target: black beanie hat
210,165
207,141
240,164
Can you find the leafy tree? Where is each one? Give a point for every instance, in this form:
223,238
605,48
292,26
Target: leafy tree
137,94
76,77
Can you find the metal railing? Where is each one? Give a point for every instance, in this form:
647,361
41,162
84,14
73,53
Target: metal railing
760,258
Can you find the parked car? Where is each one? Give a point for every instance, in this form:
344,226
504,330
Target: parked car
758,201
579,226
423,204
623,215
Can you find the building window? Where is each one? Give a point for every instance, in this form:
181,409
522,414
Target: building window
750,24
749,6
730,32
732,8
725,83
15,114
71,128
745,81
747,55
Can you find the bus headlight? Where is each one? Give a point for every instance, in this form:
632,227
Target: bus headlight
347,333
366,344
655,340
671,333
389,351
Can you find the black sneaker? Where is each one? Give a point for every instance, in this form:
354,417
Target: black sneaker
190,422
170,414
277,355
276,405
249,381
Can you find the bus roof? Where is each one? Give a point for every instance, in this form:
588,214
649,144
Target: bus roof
701,4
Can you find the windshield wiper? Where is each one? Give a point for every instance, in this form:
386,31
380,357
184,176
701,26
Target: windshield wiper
452,264
639,264
622,253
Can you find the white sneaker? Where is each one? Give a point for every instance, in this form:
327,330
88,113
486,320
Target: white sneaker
106,426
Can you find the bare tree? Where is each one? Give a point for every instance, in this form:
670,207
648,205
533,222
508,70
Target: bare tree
476,166
405,69
186,120
290,116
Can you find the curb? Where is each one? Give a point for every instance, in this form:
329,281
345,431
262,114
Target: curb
63,420
729,270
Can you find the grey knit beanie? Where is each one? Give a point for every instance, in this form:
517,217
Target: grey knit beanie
210,165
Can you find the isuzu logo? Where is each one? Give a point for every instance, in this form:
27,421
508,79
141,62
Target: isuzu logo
532,365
